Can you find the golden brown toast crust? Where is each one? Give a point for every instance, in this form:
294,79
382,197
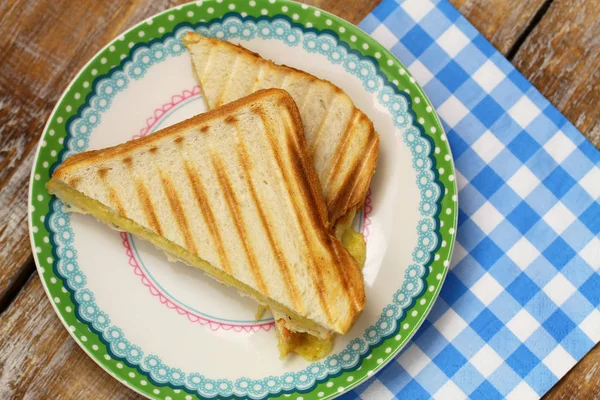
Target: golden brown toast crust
306,172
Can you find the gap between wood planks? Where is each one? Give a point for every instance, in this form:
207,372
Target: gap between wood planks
535,20
29,267
17,284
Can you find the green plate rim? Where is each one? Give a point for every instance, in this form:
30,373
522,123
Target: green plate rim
100,64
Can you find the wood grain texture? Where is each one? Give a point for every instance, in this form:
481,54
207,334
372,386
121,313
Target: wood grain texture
502,22
582,382
351,10
46,42
41,361
561,57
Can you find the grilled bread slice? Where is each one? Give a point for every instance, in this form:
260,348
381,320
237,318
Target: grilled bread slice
232,192
341,140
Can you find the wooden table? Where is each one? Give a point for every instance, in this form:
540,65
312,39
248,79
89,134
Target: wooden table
554,43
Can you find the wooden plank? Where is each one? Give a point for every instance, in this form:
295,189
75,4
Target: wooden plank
44,44
582,382
352,11
502,22
41,361
561,58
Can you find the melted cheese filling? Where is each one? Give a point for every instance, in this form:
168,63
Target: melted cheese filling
306,345
309,347
81,203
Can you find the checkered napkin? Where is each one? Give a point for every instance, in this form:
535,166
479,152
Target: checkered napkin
520,305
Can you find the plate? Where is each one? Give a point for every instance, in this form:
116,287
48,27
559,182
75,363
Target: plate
164,329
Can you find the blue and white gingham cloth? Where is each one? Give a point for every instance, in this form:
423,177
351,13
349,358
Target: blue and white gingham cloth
520,305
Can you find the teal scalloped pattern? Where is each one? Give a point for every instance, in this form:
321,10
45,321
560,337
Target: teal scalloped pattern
276,29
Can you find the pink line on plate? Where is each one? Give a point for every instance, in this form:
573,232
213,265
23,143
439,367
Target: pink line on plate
160,112
191,316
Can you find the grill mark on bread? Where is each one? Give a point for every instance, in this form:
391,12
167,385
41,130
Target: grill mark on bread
113,197
74,181
341,201
211,54
355,299
177,210
147,207
342,272
367,170
143,198
207,212
313,140
236,215
308,81
307,97
231,119
210,60
282,264
295,147
102,172
315,273
357,180
300,172
344,146
325,239
204,129
178,140
175,205
112,193
228,82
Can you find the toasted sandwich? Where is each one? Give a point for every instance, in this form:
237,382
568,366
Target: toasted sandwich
232,192
342,142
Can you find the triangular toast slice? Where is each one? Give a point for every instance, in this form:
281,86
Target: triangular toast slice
341,140
232,192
